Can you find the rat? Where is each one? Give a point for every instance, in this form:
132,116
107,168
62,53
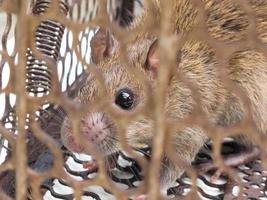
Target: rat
196,60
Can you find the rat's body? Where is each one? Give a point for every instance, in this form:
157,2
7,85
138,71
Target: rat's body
247,68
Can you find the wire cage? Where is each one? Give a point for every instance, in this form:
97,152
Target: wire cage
46,62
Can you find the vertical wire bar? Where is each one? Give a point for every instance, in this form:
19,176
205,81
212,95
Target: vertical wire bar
20,77
166,56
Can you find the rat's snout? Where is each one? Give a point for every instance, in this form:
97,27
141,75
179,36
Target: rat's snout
94,127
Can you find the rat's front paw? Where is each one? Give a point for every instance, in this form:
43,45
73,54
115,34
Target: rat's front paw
91,166
141,197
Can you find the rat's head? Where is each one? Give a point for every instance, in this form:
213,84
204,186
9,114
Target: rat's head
125,93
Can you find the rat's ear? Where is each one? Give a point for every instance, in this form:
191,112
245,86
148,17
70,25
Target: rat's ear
152,63
152,60
102,45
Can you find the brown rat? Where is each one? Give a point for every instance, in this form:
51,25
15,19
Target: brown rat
226,21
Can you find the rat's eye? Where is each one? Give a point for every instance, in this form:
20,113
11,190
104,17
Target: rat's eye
125,99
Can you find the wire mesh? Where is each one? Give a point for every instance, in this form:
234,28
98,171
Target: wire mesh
48,75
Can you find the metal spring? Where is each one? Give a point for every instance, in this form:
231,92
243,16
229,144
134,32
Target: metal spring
48,38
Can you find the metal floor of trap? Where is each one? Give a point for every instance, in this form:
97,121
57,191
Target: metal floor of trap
126,174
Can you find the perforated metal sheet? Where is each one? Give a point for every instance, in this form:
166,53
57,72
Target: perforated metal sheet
127,174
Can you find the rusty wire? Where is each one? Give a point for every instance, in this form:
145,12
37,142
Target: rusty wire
40,66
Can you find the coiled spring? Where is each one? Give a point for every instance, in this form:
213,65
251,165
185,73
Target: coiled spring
47,40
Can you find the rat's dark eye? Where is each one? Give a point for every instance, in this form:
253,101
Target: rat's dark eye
125,99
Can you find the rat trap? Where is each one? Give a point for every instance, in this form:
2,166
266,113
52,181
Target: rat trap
63,59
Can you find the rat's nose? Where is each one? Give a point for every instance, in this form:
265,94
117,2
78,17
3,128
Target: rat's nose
94,127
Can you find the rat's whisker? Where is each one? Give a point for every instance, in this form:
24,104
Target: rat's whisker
103,115
108,126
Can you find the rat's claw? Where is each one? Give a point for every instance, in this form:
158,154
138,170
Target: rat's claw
216,176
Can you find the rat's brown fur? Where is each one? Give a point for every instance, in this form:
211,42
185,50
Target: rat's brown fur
226,21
